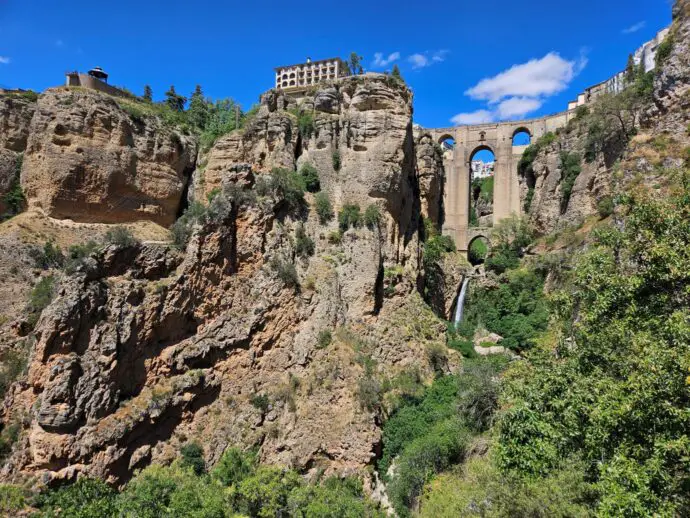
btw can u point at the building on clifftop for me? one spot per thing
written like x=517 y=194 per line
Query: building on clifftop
x=95 y=79
x=310 y=73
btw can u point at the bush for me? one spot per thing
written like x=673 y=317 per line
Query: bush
x=372 y=216
x=260 y=402
x=304 y=245
x=605 y=207
x=310 y=177
x=324 y=339
x=193 y=457
x=305 y=122
x=369 y=393
x=182 y=229
x=13 y=499
x=265 y=494
x=284 y=185
x=12 y=366
x=528 y=200
x=336 y=160
x=120 y=236
x=324 y=209
x=41 y=296
x=663 y=51
x=14 y=198
x=285 y=270
x=234 y=466
x=49 y=257
x=349 y=217
x=76 y=254
x=86 y=498
x=570 y=170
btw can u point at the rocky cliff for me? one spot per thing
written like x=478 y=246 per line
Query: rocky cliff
x=89 y=159
x=245 y=337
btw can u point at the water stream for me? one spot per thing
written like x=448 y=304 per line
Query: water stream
x=459 y=305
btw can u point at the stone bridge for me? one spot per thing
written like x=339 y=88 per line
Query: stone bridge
x=498 y=138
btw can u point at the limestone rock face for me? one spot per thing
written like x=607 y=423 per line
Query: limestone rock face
x=88 y=160
x=672 y=83
x=431 y=177
x=548 y=211
x=16 y=112
x=146 y=348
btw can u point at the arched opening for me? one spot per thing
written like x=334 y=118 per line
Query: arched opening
x=478 y=250
x=521 y=137
x=482 y=163
x=447 y=143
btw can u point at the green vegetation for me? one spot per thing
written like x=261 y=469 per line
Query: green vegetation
x=41 y=296
x=304 y=245
x=121 y=237
x=221 y=117
x=50 y=256
x=528 y=200
x=605 y=207
x=355 y=64
x=349 y=217
x=14 y=198
x=286 y=186
x=435 y=246
x=285 y=270
x=372 y=216
x=324 y=339
x=615 y=393
x=175 y=101
x=193 y=457
x=663 y=51
x=182 y=229
x=335 y=157
x=323 y=207
x=12 y=365
x=483 y=188
x=426 y=435
x=395 y=73
x=511 y=236
x=478 y=251
x=305 y=122
x=525 y=166
x=310 y=177
x=570 y=170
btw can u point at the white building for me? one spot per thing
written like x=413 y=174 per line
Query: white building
x=482 y=169
x=310 y=73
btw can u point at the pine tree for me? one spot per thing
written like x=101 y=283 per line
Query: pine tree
x=148 y=93
x=198 y=109
x=630 y=69
x=174 y=100
x=396 y=74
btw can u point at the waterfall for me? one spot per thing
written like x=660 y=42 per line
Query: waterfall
x=461 y=301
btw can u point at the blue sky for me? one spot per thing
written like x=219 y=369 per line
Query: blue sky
x=449 y=53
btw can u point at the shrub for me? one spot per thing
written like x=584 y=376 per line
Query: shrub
x=14 y=198
x=120 y=236
x=369 y=393
x=86 y=498
x=260 y=402
x=13 y=365
x=49 y=257
x=463 y=345
x=285 y=185
x=193 y=457
x=605 y=207
x=310 y=176
x=663 y=51
x=13 y=499
x=570 y=170
x=324 y=339
x=234 y=466
x=304 y=245
x=265 y=494
x=285 y=270
x=336 y=159
x=182 y=229
x=41 y=296
x=335 y=237
x=372 y=216
x=324 y=209
x=78 y=253
x=305 y=122
x=349 y=217
x=528 y=200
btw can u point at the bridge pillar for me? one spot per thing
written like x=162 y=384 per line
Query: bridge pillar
x=457 y=198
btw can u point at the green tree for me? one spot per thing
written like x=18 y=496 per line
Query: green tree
x=148 y=93
x=174 y=100
x=355 y=64
x=630 y=69
x=396 y=73
x=323 y=207
x=198 y=112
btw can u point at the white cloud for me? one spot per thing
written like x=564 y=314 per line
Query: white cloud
x=382 y=62
x=521 y=89
x=634 y=28
x=421 y=60
x=478 y=117
x=4 y=60
x=517 y=107
x=539 y=77
x=418 y=60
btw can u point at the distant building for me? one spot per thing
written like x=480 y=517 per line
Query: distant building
x=310 y=73
x=482 y=169
x=95 y=79
x=645 y=55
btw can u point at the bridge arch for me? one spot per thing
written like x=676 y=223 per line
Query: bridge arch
x=479 y=148
x=445 y=137
x=520 y=134
x=478 y=248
